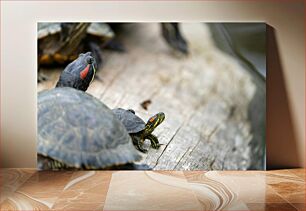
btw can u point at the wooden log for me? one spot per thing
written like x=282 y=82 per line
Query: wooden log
x=205 y=97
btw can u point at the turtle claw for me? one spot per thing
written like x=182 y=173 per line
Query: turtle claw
x=141 y=149
x=155 y=145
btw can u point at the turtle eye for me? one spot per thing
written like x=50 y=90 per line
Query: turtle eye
x=89 y=60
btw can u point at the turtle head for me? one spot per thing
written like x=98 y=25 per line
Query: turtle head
x=79 y=73
x=154 y=121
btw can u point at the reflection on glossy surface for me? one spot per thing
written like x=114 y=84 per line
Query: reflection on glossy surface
x=27 y=189
x=149 y=191
x=11 y=180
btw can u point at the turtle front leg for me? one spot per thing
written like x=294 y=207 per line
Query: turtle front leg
x=154 y=141
x=138 y=143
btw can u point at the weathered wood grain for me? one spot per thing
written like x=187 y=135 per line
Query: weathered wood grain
x=205 y=97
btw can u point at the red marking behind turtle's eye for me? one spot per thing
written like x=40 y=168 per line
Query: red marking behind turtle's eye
x=152 y=119
x=84 y=72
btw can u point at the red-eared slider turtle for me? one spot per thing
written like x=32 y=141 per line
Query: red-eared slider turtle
x=138 y=129
x=76 y=130
x=61 y=43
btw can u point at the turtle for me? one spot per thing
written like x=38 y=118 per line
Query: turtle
x=61 y=43
x=138 y=129
x=78 y=131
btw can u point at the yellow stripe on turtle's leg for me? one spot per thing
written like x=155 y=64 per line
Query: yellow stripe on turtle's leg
x=138 y=141
x=154 y=141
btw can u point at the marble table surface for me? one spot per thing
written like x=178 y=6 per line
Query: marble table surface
x=28 y=189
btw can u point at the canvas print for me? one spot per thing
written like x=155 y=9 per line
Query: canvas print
x=151 y=96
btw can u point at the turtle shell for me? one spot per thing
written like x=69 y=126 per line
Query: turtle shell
x=132 y=123
x=46 y=29
x=102 y=30
x=55 y=49
x=79 y=130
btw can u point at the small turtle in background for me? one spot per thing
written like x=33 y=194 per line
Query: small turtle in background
x=138 y=129
x=76 y=130
x=61 y=43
